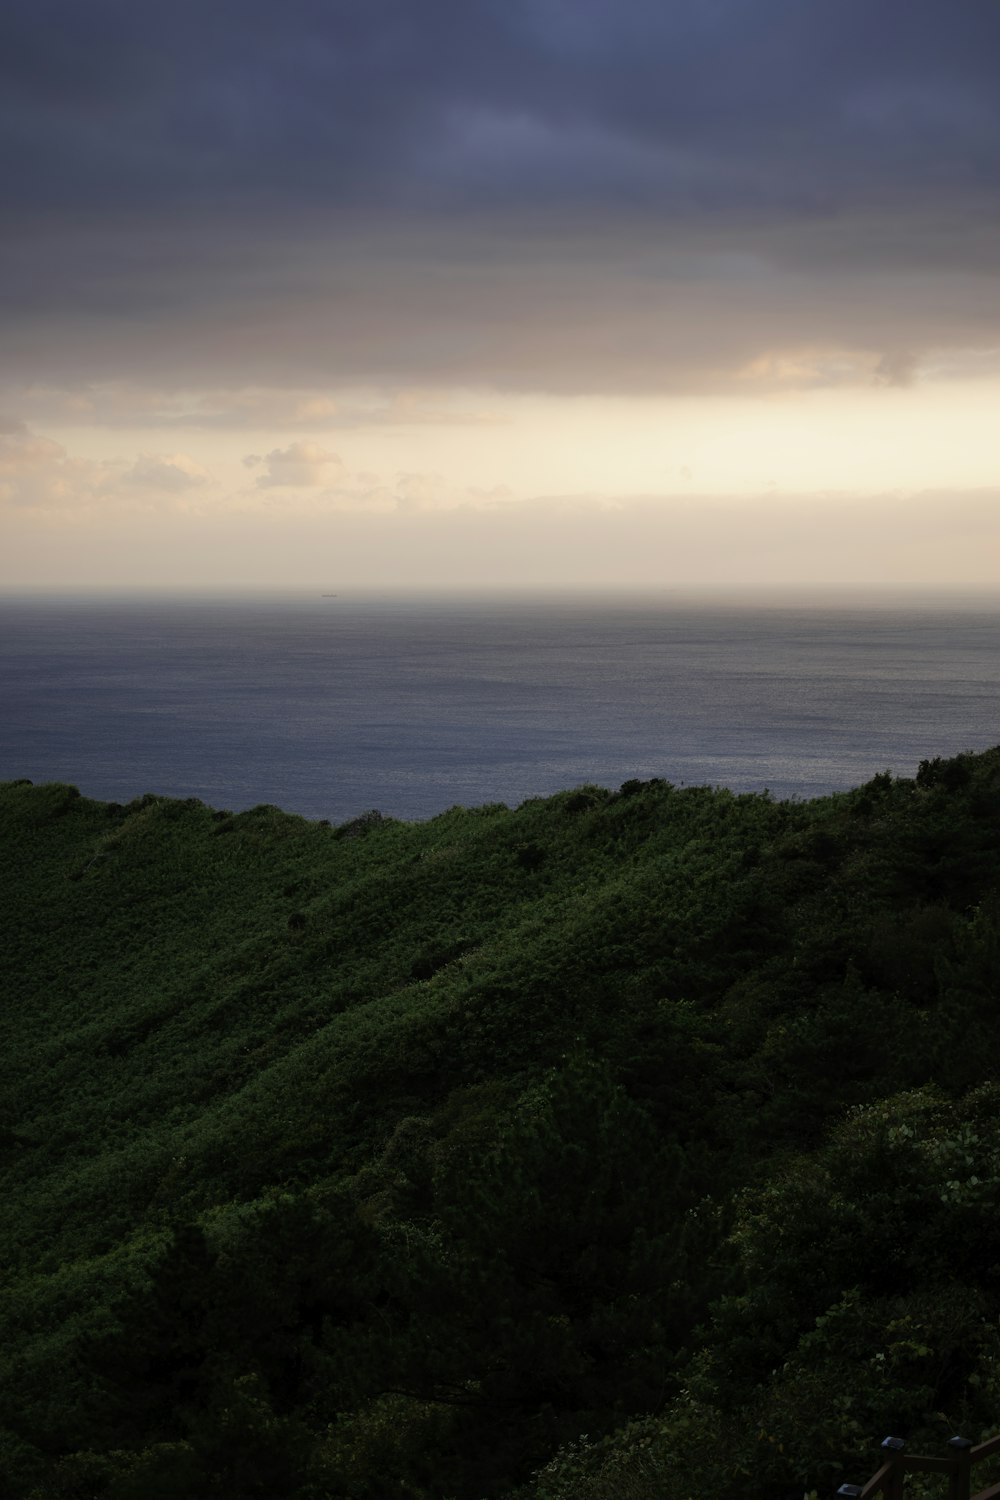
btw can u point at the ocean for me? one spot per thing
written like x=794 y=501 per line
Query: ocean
x=329 y=706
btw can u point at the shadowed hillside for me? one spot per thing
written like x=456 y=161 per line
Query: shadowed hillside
x=390 y=1159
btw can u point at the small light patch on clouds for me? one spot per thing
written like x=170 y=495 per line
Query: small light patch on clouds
x=805 y=370
x=38 y=473
x=301 y=465
x=828 y=369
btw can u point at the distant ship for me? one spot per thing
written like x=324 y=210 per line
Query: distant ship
x=328 y=596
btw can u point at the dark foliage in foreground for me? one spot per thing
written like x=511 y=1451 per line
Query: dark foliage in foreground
x=392 y=1159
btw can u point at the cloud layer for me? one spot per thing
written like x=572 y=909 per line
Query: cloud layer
x=39 y=475
x=530 y=194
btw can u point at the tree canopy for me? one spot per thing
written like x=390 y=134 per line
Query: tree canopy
x=624 y=1144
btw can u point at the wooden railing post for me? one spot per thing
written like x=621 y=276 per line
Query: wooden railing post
x=896 y=1463
x=961 y=1474
x=893 y=1449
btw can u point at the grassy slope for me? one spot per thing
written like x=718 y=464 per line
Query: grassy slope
x=202 y=1011
x=197 y=982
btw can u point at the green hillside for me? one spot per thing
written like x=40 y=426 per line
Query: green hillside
x=640 y=1144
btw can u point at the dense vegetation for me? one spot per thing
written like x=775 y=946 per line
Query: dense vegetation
x=640 y=1144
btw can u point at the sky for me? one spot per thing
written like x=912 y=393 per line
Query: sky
x=499 y=293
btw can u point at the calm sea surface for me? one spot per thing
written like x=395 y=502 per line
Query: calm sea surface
x=330 y=706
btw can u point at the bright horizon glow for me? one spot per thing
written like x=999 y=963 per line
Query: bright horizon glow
x=843 y=486
x=855 y=440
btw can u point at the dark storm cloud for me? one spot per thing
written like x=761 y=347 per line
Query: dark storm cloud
x=135 y=104
x=555 y=192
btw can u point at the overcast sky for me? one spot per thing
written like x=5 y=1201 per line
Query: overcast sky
x=452 y=293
